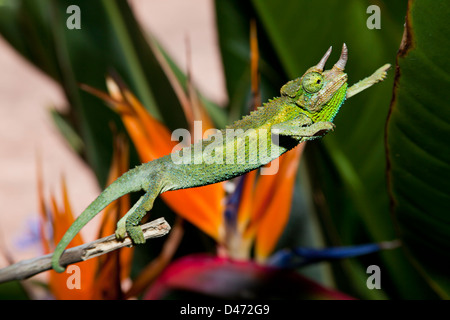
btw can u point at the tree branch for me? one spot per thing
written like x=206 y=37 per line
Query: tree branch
x=27 y=268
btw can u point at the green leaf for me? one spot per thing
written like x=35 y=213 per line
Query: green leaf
x=67 y=131
x=417 y=141
x=13 y=290
x=348 y=166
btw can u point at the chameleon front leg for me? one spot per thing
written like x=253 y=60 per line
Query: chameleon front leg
x=365 y=83
x=303 y=127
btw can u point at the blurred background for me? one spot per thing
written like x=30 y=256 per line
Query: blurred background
x=26 y=127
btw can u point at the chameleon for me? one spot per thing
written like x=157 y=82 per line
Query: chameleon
x=305 y=110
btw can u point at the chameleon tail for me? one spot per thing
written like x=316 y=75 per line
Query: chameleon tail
x=129 y=182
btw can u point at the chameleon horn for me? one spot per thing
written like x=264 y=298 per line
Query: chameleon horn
x=324 y=59
x=343 y=59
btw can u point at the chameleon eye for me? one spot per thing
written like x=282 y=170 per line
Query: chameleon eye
x=312 y=82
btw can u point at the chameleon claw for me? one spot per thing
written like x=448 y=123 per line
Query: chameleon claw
x=121 y=230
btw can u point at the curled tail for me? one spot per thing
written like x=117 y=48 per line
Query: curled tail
x=129 y=182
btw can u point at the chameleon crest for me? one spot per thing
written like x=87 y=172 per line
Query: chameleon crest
x=304 y=111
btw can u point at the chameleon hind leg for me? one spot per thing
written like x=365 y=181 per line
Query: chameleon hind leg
x=129 y=223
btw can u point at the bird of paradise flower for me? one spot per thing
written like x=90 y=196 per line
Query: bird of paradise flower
x=55 y=219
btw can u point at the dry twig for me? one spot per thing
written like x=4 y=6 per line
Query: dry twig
x=27 y=268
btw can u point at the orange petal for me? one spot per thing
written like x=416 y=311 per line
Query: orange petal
x=246 y=203
x=254 y=60
x=116 y=209
x=119 y=262
x=107 y=283
x=45 y=237
x=273 y=198
x=63 y=219
x=159 y=137
x=58 y=282
x=201 y=206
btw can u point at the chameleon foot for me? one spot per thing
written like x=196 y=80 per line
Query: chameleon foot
x=120 y=234
x=323 y=128
x=136 y=234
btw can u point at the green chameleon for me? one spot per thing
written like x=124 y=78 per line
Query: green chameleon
x=304 y=111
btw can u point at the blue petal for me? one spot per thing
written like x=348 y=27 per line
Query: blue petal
x=233 y=203
x=299 y=257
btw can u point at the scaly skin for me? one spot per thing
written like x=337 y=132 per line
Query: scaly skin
x=304 y=111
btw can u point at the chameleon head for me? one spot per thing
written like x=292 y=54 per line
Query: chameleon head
x=314 y=91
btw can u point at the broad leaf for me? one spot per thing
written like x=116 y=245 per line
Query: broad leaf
x=417 y=141
x=350 y=172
